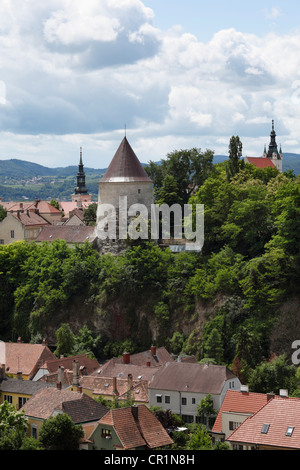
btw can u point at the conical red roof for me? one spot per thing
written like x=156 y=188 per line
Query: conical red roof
x=125 y=166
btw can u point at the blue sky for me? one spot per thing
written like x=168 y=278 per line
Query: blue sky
x=178 y=74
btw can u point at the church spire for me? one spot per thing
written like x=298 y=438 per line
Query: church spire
x=81 y=188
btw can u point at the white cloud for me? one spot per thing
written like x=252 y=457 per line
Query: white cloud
x=79 y=71
x=273 y=13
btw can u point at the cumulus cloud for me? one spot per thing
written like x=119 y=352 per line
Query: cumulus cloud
x=74 y=68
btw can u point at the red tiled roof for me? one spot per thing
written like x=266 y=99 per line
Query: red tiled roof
x=125 y=166
x=70 y=233
x=26 y=358
x=239 y=402
x=136 y=427
x=260 y=162
x=156 y=357
x=67 y=362
x=78 y=406
x=105 y=386
x=30 y=218
x=113 y=369
x=279 y=413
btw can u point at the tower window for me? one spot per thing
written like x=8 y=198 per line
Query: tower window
x=139 y=191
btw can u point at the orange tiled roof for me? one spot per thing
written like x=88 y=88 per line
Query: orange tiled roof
x=239 y=402
x=26 y=358
x=67 y=362
x=137 y=426
x=260 y=162
x=279 y=413
x=30 y=218
x=105 y=386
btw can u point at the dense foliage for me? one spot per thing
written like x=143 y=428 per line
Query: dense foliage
x=236 y=303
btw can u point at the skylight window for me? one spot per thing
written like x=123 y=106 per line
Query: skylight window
x=265 y=428
x=289 y=431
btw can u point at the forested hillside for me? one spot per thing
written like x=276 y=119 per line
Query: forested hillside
x=236 y=303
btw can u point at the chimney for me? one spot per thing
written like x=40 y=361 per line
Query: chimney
x=79 y=389
x=148 y=364
x=283 y=393
x=19 y=340
x=58 y=385
x=153 y=350
x=115 y=390
x=19 y=375
x=60 y=374
x=244 y=388
x=44 y=342
x=75 y=381
x=270 y=395
x=126 y=358
x=129 y=377
x=134 y=411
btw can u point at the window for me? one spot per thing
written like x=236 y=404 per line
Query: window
x=34 y=431
x=289 y=431
x=167 y=399
x=8 y=398
x=1 y=242
x=183 y=401
x=21 y=402
x=193 y=401
x=106 y=433
x=265 y=428
x=158 y=399
x=233 y=425
x=12 y=234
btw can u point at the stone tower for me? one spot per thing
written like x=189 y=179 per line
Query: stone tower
x=124 y=185
x=273 y=154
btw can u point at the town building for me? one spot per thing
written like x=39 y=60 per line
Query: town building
x=275 y=426
x=180 y=386
x=272 y=158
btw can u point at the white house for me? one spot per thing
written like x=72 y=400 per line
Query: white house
x=180 y=386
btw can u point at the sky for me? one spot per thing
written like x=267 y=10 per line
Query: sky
x=171 y=74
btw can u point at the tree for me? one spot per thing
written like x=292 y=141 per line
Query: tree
x=235 y=153
x=60 y=433
x=199 y=439
x=90 y=214
x=3 y=213
x=205 y=409
x=13 y=430
x=177 y=177
x=54 y=203
x=213 y=346
x=65 y=340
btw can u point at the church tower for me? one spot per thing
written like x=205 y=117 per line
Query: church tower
x=124 y=184
x=81 y=191
x=273 y=154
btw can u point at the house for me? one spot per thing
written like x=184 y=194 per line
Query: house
x=51 y=401
x=129 y=428
x=275 y=426
x=21 y=225
x=76 y=217
x=43 y=208
x=153 y=357
x=62 y=369
x=180 y=386
x=116 y=388
x=72 y=234
x=18 y=391
x=24 y=359
x=236 y=407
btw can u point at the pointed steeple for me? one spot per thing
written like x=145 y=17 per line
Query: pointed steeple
x=125 y=166
x=273 y=149
x=81 y=188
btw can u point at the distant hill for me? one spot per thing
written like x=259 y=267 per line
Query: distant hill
x=20 y=179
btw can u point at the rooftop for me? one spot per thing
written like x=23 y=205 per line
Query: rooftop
x=125 y=166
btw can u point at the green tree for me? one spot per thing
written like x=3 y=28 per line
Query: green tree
x=206 y=411
x=214 y=346
x=60 y=433
x=65 y=340
x=235 y=154
x=13 y=430
x=90 y=214
x=272 y=376
x=3 y=213
x=199 y=439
